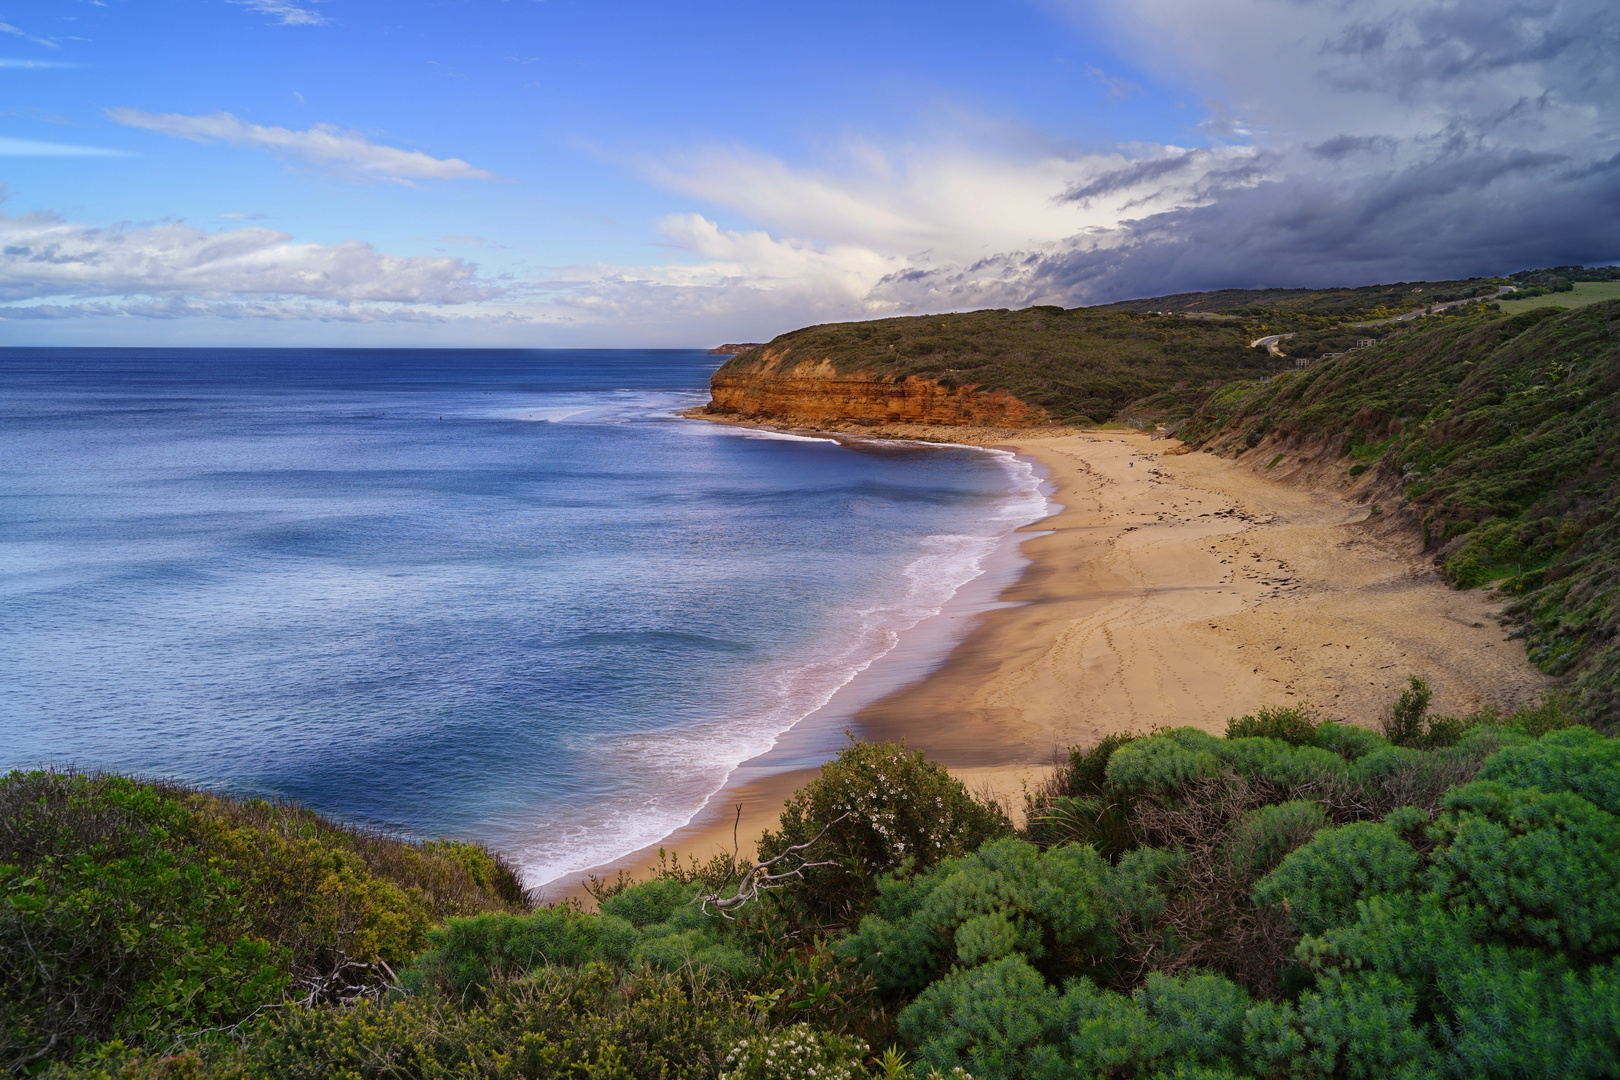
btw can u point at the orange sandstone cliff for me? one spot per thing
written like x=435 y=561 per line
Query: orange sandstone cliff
x=766 y=385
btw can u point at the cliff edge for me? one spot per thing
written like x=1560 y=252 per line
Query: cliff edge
x=776 y=388
x=1000 y=369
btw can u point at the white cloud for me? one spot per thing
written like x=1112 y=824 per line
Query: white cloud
x=30 y=148
x=233 y=310
x=1312 y=69
x=946 y=204
x=347 y=154
x=283 y=13
x=739 y=283
x=15 y=31
x=43 y=257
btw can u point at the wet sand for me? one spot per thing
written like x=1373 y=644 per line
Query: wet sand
x=1171 y=589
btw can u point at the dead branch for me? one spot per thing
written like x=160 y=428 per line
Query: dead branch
x=761 y=877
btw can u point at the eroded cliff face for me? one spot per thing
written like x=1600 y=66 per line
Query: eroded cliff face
x=815 y=394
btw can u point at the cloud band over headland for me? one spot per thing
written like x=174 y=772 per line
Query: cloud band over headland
x=1328 y=142
x=1399 y=142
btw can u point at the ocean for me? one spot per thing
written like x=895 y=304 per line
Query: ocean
x=505 y=595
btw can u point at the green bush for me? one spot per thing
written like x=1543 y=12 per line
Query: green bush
x=139 y=911
x=1078 y=805
x=1293 y=724
x=1572 y=759
x=1321 y=882
x=1261 y=839
x=649 y=924
x=1054 y=907
x=1002 y=1021
x=1348 y=741
x=1404 y=725
x=1171 y=760
x=875 y=808
x=1540 y=868
x=591 y=1023
x=1167 y=761
x=1551 y=712
x=985 y=1019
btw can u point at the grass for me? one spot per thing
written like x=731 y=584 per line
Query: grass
x=1584 y=292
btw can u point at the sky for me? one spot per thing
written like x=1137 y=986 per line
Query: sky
x=618 y=173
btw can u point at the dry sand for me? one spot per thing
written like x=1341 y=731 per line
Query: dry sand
x=1187 y=589
x=1170 y=590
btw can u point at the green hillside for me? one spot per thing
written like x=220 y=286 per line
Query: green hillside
x=1078 y=365
x=1157 y=355
x=1500 y=437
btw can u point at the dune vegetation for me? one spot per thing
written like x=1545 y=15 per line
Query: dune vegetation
x=1298 y=898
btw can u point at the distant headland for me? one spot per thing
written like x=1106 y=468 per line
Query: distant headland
x=733 y=350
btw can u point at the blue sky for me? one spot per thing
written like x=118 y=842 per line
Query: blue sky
x=571 y=173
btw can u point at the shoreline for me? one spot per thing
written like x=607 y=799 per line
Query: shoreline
x=1166 y=589
x=756 y=789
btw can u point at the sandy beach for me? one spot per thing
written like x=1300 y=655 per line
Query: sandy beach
x=1170 y=589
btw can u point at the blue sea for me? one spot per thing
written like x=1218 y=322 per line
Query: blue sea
x=508 y=596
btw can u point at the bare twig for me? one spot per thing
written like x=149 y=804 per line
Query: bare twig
x=760 y=877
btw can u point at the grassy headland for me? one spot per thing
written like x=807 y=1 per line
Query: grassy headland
x=1079 y=366
x=1085 y=365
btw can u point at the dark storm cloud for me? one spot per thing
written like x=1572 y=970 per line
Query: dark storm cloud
x=1470 y=141
x=1341 y=146
x=1132 y=176
x=1481 y=215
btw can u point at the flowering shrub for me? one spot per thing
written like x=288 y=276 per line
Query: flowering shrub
x=877 y=807
x=798 y=1053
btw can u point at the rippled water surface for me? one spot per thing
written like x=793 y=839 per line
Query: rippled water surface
x=505 y=595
